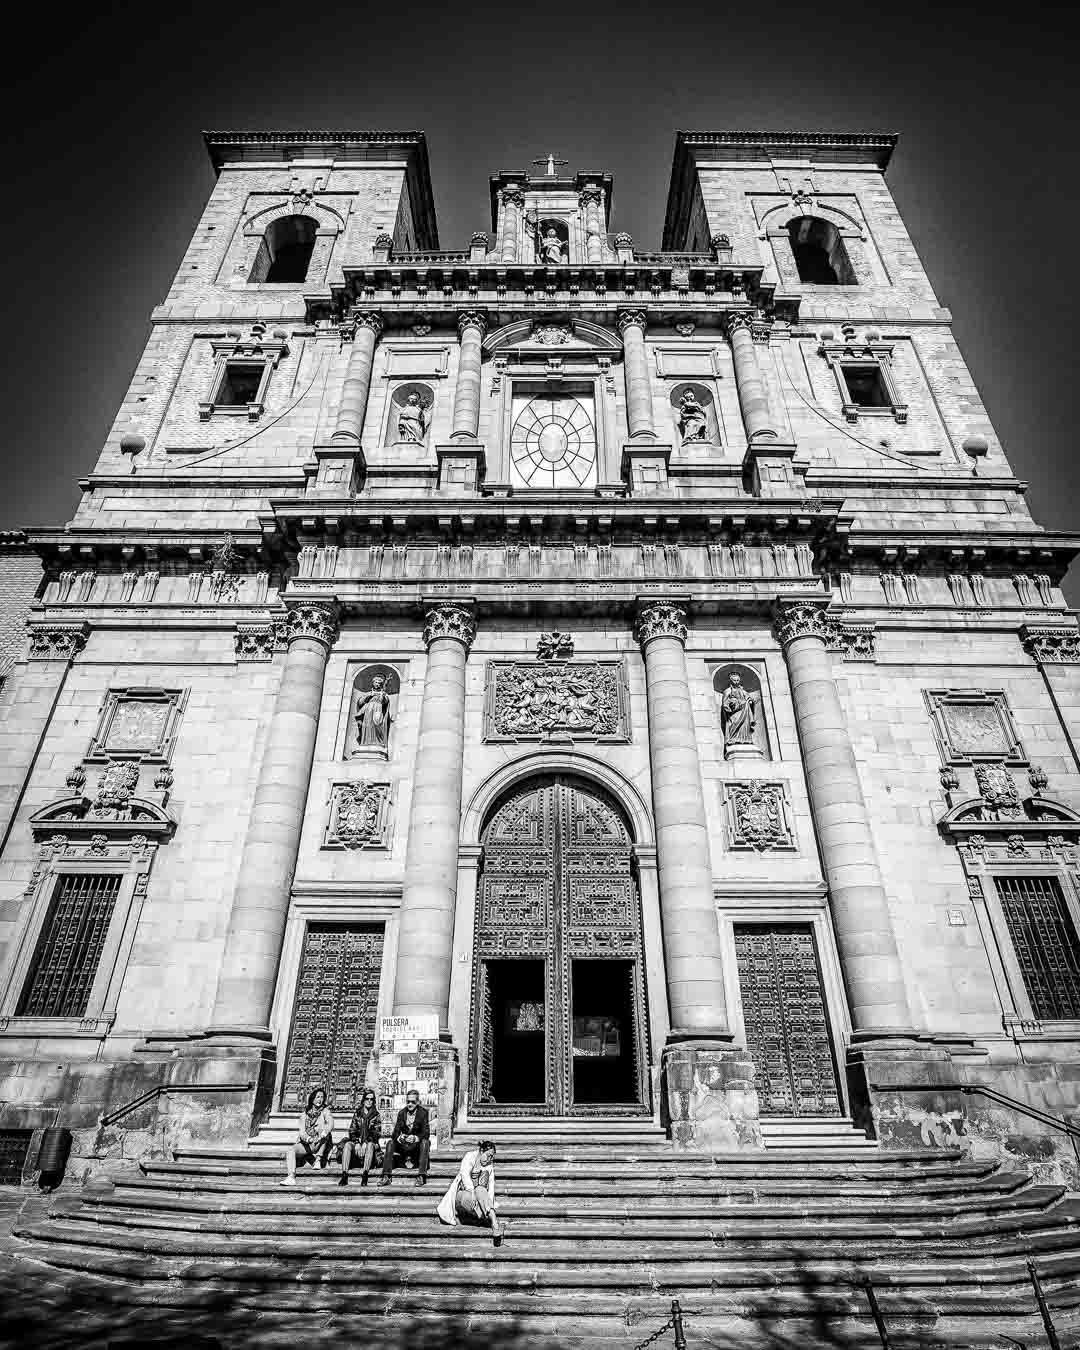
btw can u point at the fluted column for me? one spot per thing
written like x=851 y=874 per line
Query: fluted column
x=429 y=893
x=692 y=950
x=753 y=396
x=256 y=931
x=471 y=327
x=513 y=201
x=354 y=394
x=592 y=199
x=861 y=918
x=639 y=411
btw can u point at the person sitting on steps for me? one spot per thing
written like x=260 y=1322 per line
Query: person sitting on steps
x=363 y=1141
x=411 y=1138
x=315 y=1136
x=470 y=1198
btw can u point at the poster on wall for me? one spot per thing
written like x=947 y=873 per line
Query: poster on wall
x=408 y=1058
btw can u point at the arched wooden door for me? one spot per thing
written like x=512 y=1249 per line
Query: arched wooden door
x=558 y=1022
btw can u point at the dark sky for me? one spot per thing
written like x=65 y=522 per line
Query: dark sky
x=107 y=175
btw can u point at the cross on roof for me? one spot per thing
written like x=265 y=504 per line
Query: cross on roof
x=550 y=161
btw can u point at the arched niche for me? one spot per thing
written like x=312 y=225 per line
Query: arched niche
x=408 y=421
x=551 y=231
x=742 y=711
x=821 y=257
x=373 y=702
x=285 y=253
x=693 y=411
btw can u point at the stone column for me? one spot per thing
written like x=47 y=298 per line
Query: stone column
x=753 y=398
x=354 y=394
x=692 y=951
x=429 y=893
x=864 y=929
x=256 y=931
x=471 y=327
x=639 y=412
x=513 y=201
x=592 y=200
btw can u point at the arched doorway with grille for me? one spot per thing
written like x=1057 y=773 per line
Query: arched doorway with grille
x=559 y=1024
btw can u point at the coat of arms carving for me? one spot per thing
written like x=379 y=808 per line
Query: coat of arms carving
x=757 y=816
x=556 y=700
x=359 y=815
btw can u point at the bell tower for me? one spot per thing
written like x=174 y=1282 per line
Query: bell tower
x=551 y=219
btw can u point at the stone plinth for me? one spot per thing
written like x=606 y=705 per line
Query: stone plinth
x=710 y=1098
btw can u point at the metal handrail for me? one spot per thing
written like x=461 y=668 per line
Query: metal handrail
x=153 y=1093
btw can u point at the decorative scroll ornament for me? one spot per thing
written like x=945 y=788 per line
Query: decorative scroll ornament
x=383 y=240
x=449 y=621
x=661 y=620
x=57 y=641
x=998 y=791
x=757 y=816
x=321 y=621
x=632 y=318
x=115 y=788
x=803 y=618
x=533 y=700
x=1051 y=644
x=472 y=318
x=359 y=813
x=551 y=334
x=554 y=646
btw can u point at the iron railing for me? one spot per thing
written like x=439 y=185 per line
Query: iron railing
x=152 y=1094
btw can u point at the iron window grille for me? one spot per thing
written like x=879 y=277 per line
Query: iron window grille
x=1045 y=942
x=69 y=950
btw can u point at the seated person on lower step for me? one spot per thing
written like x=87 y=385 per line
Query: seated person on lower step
x=363 y=1141
x=471 y=1196
x=314 y=1136
x=410 y=1142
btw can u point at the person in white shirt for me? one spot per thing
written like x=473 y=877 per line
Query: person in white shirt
x=470 y=1198
x=314 y=1137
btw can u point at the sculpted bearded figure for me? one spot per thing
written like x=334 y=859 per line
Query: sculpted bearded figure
x=551 y=249
x=693 y=422
x=373 y=716
x=412 y=424
x=738 y=716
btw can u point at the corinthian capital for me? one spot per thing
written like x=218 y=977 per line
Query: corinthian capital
x=57 y=641
x=317 y=619
x=472 y=318
x=632 y=318
x=512 y=196
x=591 y=195
x=740 y=319
x=662 y=619
x=1051 y=644
x=803 y=618
x=449 y=621
x=367 y=319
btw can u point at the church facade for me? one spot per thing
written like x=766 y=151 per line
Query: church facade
x=640 y=668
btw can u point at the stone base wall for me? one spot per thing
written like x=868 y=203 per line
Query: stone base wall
x=708 y=1098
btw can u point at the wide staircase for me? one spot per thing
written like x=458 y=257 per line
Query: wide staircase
x=606 y=1225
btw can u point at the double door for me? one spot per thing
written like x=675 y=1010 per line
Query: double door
x=558 y=1024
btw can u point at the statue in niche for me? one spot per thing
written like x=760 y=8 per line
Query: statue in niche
x=738 y=719
x=412 y=423
x=551 y=248
x=693 y=421
x=373 y=716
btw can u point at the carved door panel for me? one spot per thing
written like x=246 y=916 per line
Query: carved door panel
x=333 y=1024
x=787 y=1027
x=557 y=886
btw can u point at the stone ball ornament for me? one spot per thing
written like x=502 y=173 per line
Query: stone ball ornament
x=133 y=444
x=976 y=448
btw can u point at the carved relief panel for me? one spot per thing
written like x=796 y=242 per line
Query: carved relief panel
x=359 y=815
x=137 y=724
x=556 y=701
x=974 y=724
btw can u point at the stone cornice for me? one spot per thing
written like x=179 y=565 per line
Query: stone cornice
x=837 y=147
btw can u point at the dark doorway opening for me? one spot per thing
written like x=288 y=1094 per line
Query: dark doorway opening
x=603 y=1032
x=517 y=1025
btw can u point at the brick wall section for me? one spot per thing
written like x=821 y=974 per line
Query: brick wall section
x=20 y=577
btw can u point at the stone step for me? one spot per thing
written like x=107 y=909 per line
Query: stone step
x=817 y=1132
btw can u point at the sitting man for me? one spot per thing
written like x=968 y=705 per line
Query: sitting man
x=411 y=1139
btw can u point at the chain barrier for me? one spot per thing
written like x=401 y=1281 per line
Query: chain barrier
x=656 y=1334
x=674 y=1323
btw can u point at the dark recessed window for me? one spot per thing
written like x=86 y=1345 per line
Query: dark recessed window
x=69 y=949
x=866 y=387
x=285 y=252
x=240 y=383
x=820 y=255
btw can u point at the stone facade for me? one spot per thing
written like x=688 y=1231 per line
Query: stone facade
x=609 y=479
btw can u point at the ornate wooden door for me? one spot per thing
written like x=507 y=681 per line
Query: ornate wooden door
x=333 y=1025
x=787 y=1029
x=557 y=885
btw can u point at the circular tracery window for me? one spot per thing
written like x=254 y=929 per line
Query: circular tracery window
x=553 y=443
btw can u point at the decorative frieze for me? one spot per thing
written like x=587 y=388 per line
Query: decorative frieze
x=359 y=815
x=1051 y=645
x=57 y=641
x=757 y=815
x=556 y=700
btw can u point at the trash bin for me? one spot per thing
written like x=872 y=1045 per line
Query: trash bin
x=53 y=1155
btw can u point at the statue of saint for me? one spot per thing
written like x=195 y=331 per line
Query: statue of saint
x=693 y=422
x=412 y=424
x=551 y=249
x=373 y=716
x=738 y=715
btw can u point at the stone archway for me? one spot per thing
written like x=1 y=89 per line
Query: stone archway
x=558 y=1023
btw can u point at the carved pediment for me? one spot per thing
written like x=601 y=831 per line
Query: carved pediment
x=77 y=817
x=1034 y=818
x=550 y=336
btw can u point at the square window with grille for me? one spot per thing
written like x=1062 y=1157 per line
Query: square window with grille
x=69 y=949
x=1044 y=939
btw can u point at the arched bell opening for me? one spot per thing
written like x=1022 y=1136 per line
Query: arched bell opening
x=559 y=1024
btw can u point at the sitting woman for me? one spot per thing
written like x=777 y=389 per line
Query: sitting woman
x=471 y=1197
x=363 y=1141
x=314 y=1139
